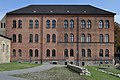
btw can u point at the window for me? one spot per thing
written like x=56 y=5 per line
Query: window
x=20 y=52
x=83 y=52
x=101 y=38
x=7 y=48
x=48 y=24
x=48 y=38
x=53 y=24
x=31 y=53
x=20 y=38
x=83 y=24
x=106 y=53
x=71 y=24
x=14 y=38
x=54 y=38
x=71 y=52
x=36 y=38
x=65 y=23
x=3 y=47
x=36 y=23
x=83 y=38
x=107 y=38
x=36 y=53
x=106 y=24
x=48 y=53
x=19 y=23
x=14 y=23
x=65 y=37
x=4 y=25
x=101 y=24
x=66 y=53
x=31 y=24
x=101 y=53
x=1 y=25
x=14 y=53
x=89 y=53
x=88 y=39
x=71 y=37
x=31 y=38
x=89 y=24
x=53 y=53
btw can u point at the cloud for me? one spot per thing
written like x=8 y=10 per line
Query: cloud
x=117 y=18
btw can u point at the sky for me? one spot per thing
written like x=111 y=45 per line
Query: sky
x=109 y=5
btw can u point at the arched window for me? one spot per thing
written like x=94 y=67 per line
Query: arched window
x=71 y=37
x=71 y=52
x=53 y=23
x=89 y=24
x=3 y=47
x=48 y=24
x=48 y=53
x=53 y=53
x=83 y=24
x=14 y=53
x=89 y=53
x=66 y=53
x=48 y=37
x=83 y=38
x=65 y=37
x=14 y=23
x=36 y=53
x=65 y=23
x=20 y=38
x=106 y=24
x=31 y=53
x=30 y=23
x=36 y=23
x=31 y=38
x=101 y=38
x=71 y=24
x=106 y=53
x=14 y=38
x=20 y=24
x=101 y=24
x=88 y=38
x=83 y=52
x=54 y=38
x=107 y=38
x=20 y=52
x=36 y=38
x=101 y=53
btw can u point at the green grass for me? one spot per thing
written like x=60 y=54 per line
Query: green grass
x=16 y=66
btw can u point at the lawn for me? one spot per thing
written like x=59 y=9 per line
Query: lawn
x=16 y=66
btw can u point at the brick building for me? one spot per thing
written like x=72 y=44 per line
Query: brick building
x=76 y=34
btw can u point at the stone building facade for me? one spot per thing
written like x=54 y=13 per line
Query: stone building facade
x=61 y=34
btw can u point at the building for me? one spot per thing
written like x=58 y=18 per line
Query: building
x=61 y=34
x=3 y=26
x=4 y=49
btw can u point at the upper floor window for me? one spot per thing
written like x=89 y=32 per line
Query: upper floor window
x=83 y=24
x=54 y=38
x=107 y=38
x=19 y=23
x=20 y=38
x=89 y=24
x=101 y=24
x=20 y=52
x=88 y=39
x=53 y=23
x=89 y=53
x=36 y=53
x=65 y=23
x=71 y=24
x=31 y=38
x=53 y=53
x=71 y=37
x=36 y=38
x=83 y=52
x=65 y=37
x=66 y=52
x=106 y=24
x=1 y=25
x=30 y=23
x=14 y=23
x=14 y=38
x=48 y=53
x=48 y=37
x=101 y=53
x=4 y=25
x=83 y=38
x=48 y=24
x=71 y=52
x=101 y=38
x=31 y=53
x=14 y=53
x=106 y=53
x=36 y=23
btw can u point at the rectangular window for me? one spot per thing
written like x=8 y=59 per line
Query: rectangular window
x=1 y=25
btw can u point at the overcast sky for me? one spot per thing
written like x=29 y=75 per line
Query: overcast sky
x=110 y=5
